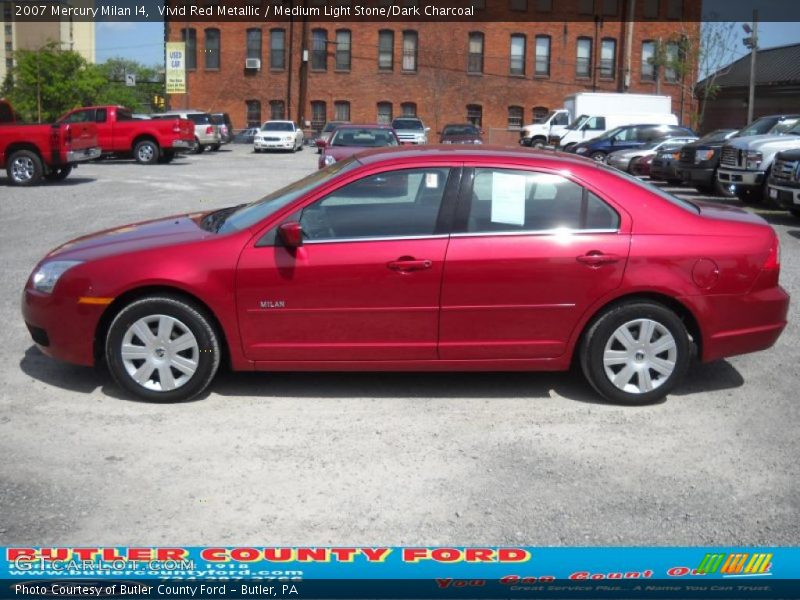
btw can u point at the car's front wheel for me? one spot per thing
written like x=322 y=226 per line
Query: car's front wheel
x=598 y=156
x=162 y=349
x=635 y=353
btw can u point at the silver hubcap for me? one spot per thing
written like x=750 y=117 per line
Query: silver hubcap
x=640 y=356
x=160 y=353
x=146 y=152
x=22 y=169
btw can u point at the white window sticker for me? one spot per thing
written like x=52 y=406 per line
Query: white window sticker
x=508 y=199
x=432 y=180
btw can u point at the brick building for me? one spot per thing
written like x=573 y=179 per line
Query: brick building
x=499 y=75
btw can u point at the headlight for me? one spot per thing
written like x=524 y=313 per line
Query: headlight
x=447 y=142
x=288 y=138
x=580 y=151
x=703 y=155
x=329 y=160
x=47 y=275
x=477 y=142
x=754 y=159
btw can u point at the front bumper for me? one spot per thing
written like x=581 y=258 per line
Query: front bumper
x=61 y=327
x=74 y=156
x=786 y=197
x=696 y=175
x=273 y=145
x=665 y=170
x=740 y=178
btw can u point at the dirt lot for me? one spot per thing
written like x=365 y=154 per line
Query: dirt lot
x=358 y=459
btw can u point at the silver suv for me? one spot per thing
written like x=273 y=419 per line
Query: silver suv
x=410 y=130
x=206 y=132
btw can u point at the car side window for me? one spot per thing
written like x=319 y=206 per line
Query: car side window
x=596 y=124
x=505 y=200
x=100 y=117
x=392 y=204
x=81 y=116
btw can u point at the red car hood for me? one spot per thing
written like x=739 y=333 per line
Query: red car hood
x=130 y=238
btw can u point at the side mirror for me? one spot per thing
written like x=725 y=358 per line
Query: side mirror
x=291 y=234
x=427 y=129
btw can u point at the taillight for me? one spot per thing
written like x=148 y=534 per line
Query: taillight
x=209 y=130
x=67 y=135
x=771 y=271
x=177 y=127
x=774 y=257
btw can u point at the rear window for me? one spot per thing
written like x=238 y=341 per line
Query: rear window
x=460 y=130
x=366 y=138
x=200 y=118
x=684 y=204
x=407 y=124
x=6 y=114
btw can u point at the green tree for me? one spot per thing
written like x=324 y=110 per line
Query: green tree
x=47 y=82
x=138 y=98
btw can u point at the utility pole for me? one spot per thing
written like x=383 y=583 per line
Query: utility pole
x=752 y=43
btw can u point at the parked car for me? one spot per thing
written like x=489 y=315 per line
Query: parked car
x=325 y=134
x=664 y=166
x=698 y=162
x=621 y=159
x=393 y=260
x=461 y=133
x=745 y=162
x=279 y=135
x=641 y=166
x=784 y=181
x=223 y=121
x=410 y=130
x=148 y=141
x=246 y=136
x=206 y=132
x=629 y=137
x=30 y=153
x=348 y=140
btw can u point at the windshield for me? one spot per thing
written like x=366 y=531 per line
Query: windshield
x=407 y=124
x=366 y=138
x=610 y=134
x=330 y=126
x=277 y=127
x=792 y=127
x=720 y=135
x=576 y=124
x=460 y=130
x=767 y=125
x=250 y=214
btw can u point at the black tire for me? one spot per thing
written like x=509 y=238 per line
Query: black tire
x=795 y=212
x=58 y=173
x=600 y=334
x=749 y=195
x=538 y=142
x=598 y=156
x=24 y=168
x=706 y=190
x=198 y=147
x=674 y=182
x=146 y=152
x=188 y=318
x=214 y=147
x=167 y=156
x=568 y=147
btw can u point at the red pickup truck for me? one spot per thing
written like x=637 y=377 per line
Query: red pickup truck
x=32 y=152
x=147 y=140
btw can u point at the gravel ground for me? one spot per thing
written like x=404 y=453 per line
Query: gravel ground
x=359 y=459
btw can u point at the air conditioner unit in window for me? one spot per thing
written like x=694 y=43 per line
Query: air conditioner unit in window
x=252 y=63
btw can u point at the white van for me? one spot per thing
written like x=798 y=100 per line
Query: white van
x=586 y=127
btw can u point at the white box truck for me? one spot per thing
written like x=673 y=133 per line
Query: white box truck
x=591 y=104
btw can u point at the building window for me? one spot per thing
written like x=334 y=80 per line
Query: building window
x=540 y=114
x=341 y=110
x=277 y=49
x=475 y=55
x=254 y=43
x=408 y=109
x=515 y=117
x=384 y=113
x=585 y=7
x=190 y=39
x=277 y=110
x=650 y=9
x=212 y=48
x=517 y=63
x=608 y=58
x=343 y=50
x=610 y=7
x=544 y=5
x=672 y=56
x=542 y=55
x=319 y=114
x=410 y=43
x=319 y=50
x=386 y=50
x=674 y=9
x=583 y=61
x=519 y=5
x=648 y=56
x=253 y=113
x=475 y=114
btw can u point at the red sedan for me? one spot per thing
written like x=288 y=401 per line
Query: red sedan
x=420 y=259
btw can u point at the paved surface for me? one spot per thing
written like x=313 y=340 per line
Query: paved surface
x=362 y=459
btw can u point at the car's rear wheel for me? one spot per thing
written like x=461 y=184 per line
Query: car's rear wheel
x=795 y=212
x=24 y=167
x=215 y=147
x=146 y=152
x=635 y=353
x=162 y=349
x=598 y=156
x=58 y=173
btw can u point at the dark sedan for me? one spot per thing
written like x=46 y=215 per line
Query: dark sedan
x=348 y=140
x=461 y=133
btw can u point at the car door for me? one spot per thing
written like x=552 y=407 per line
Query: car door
x=531 y=250
x=365 y=284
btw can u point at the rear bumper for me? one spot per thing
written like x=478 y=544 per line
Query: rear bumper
x=61 y=327
x=74 y=156
x=743 y=324
x=183 y=144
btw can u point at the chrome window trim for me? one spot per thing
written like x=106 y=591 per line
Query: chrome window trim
x=376 y=239
x=538 y=232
